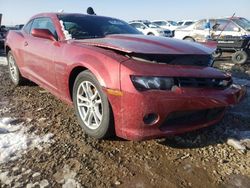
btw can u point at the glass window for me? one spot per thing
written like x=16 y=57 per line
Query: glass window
x=179 y=23
x=242 y=22
x=138 y=25
x=200 y=25
x=27 y=27
x=172 y=23
x=45 y=23
x=188 y=23
x=85 y=27
x=226 y=25
x=151 y=25
x=160 y=23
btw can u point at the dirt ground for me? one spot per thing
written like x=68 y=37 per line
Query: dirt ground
x=198 y=159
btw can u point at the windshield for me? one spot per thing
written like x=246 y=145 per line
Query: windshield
x=78 y=26
x=242 y=22
x=151 y=25
x=173 y=23
x=160 y=23
x=179 y=23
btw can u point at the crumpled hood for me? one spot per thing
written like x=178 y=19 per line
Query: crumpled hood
x=147 y=45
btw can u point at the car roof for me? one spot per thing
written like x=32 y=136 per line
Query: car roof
x=55 y=14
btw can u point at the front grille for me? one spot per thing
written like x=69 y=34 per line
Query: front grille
x=204 y=82
x=186 y=118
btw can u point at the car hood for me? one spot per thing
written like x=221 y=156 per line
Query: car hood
x=142 y=44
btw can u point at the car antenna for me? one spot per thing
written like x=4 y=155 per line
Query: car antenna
x=226 y=25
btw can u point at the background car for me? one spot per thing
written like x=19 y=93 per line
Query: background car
x=185 y=23
x=148 y=28
x=218 y=28
x=171 y=25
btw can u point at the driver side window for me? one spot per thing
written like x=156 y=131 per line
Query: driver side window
x=45 y=23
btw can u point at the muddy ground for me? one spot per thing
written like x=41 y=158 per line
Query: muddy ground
x=198 y=159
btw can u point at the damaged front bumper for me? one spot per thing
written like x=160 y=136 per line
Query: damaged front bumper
x=155 y=114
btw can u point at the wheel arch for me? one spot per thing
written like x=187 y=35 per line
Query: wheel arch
x=72 y=77
x=76 y=70
x=7 y=49
x=188 y=37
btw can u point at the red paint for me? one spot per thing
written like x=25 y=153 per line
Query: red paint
x=50 y=63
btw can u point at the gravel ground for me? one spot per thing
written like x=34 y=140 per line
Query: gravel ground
x=217 y=156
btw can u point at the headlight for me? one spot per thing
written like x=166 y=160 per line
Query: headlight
x=143 y=83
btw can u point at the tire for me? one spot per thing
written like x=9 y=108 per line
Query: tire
x=152 y=34
x=14 y=72
x=239 y=57
x=190 y=39
x=217 y=53
x=92 y=107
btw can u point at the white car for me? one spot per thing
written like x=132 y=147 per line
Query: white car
x=171 y=25
x=148 y=28
x=217 y=28
x=185 y=23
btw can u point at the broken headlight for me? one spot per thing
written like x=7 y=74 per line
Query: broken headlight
x=143 y=83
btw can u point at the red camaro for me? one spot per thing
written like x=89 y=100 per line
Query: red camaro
x=119 y=81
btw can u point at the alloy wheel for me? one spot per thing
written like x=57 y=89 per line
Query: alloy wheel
x=13 y=68
x=89 y=104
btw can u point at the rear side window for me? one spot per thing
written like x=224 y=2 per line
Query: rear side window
x=45 y=23
x=27 y=27
x=200 y=25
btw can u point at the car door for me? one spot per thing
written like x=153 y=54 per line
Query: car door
x=39 y=58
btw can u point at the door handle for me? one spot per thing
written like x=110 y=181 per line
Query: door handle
x=26 y=43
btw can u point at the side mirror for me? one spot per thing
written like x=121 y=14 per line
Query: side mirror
x=43 y=33
x=237 y=29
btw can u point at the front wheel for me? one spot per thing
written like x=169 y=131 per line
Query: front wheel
x=92 y=107
x=14 y=72
x=239 y=57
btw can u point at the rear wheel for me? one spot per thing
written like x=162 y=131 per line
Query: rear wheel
x=92 y=107
x=239 y=57
x=14 y=72
x=152 y=34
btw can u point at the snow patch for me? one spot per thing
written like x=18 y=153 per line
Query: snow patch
x=239 y=140
x=66 y=177
x=71 y=183
x=65 y=32
x=3 y=61
x=15 y=139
